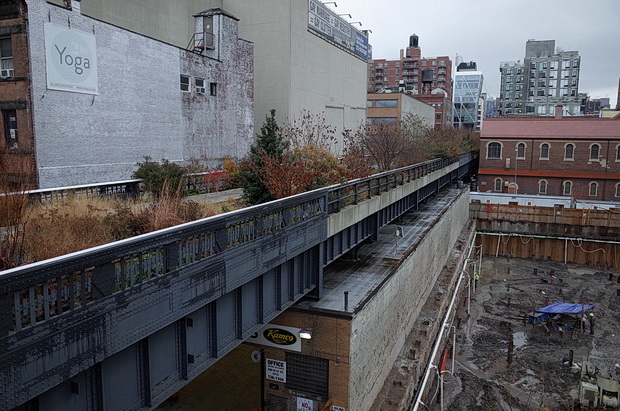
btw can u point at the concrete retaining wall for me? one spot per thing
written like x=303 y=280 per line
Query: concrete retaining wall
x=379 y=330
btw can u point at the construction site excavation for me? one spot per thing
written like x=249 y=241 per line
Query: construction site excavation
x=534 y=333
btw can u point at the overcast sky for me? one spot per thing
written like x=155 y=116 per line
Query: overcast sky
x=491 y=31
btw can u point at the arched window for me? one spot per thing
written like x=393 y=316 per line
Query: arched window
x=542 y=187
x=569 y=152
x=521 y=150
x=494 y=150
x=498 y=184
x=568 y=187
x=594 y=151
x=592 y=188
x=544 y=151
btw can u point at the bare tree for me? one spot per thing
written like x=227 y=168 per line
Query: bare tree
x=311 y=130
x=15 y=210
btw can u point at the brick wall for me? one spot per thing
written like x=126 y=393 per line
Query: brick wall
x=139 y=110
x=330 y=340
x=555 y=169
x=14 y=95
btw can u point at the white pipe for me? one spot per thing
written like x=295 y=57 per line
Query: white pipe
x=546 y=237
x=429 y=367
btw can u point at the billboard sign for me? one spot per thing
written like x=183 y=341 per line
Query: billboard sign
x=70 y=60
x=329 y=25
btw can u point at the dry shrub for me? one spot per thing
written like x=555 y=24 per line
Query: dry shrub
x=76 y=224
x=61 y=228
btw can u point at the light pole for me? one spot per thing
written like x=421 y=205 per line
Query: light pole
x=516 y=156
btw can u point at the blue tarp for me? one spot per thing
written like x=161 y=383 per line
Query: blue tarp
x=565 y=308
x=552 y=310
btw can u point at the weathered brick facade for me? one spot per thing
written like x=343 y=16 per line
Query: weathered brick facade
x=17 y=149
x=138 y=108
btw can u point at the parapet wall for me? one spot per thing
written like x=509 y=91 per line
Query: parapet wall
x=379 y=330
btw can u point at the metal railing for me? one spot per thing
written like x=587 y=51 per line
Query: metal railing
x=364 y=188
x=32 y=294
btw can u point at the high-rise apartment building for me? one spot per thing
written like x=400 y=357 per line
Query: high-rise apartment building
x=467 y=98
x=428 y=79
x=546 y=78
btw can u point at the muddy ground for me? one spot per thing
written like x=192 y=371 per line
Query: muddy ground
x=537 y=379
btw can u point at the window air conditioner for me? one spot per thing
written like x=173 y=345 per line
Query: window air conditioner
x=6 y=73
x=201 y=90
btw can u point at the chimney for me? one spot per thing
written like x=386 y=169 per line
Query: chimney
x=558 y=111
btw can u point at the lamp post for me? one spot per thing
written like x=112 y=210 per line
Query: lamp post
x=516 y=156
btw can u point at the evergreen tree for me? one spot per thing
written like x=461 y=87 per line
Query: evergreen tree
x=270 y=143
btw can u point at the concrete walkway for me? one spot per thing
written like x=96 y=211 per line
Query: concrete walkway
x=218 y=196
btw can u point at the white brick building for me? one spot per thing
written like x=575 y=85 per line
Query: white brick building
x=95 y=98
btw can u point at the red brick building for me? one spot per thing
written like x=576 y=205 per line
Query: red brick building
x=17 y=144
x=427 y=79
x=578 y=157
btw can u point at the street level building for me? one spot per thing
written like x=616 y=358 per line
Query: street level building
x=546 y=77
x=561 y=156
x=427 y=79
x=82 y=100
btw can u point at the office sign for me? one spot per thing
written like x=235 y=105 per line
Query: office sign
x=275 y=370
x=279 y=336
x=329 y=25
x=70 y=59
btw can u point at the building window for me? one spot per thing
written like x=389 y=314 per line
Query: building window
x=386 y=103
x=592 y=189
x=594 y=152
x=567 y=188
x=9 y=118
x=306 y=374
x=542 y=187
x=200 y=86
x=184 y=83
x=544 y=151
x=381 y=120
x=6 y=58
x=213 y=89
x=618 y=153
x=521 y=150
x=494 y=150
x=369 y=103
x=618 y=190
x=569 y=152
x=498 y=184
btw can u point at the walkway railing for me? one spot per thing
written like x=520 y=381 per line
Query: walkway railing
x=34 y=293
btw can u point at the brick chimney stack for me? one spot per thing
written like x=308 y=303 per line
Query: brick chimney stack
x=558 y=111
